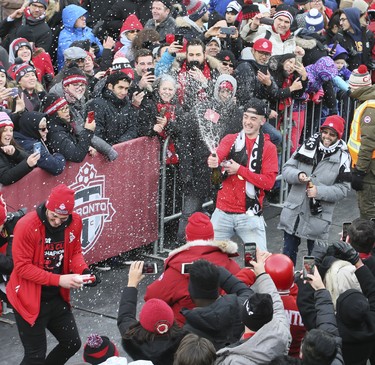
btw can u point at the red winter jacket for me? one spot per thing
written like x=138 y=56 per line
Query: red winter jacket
x=232 y=197
x=172 y=286
x=25 y=284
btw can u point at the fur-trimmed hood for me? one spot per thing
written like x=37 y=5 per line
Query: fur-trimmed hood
x=228 y=247
x=306 y=43
x=195 y=250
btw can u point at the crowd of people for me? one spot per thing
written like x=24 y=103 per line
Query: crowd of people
x=229 y=87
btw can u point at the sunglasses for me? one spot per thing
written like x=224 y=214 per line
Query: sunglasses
x=42 y=129
x=227 y=64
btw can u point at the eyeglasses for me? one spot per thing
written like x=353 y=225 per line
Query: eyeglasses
x=264 y=54
x=133 y=31
x=79 y=86
x=343 y=19
x=227 y=64
x=42 y=129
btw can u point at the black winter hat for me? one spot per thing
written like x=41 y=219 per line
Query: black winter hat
x=257 y=311
x=227 y=56
x=204 y=280
x=213 y=19
x=98 y=349
x=352 y=308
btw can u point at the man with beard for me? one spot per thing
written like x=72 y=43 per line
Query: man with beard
x=115 y=115
x=196 y=75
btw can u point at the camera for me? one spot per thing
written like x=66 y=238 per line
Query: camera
x=16 y=215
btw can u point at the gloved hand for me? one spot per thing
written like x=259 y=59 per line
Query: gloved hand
x=344 y=251
x=319 y=251
x=97 y=278
x=357 y=179
x=318 y=96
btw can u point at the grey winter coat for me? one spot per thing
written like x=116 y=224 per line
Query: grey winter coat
x=295 y=217
x=272 y=340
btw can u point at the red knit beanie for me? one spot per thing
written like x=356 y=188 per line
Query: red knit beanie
x=156 y=316
x=61 y=200
x=199 y=227
x=336 y=123
x=98 y=349
x=131 y=23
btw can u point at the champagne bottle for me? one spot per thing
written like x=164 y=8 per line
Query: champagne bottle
x=315 y=206
x=216 y=176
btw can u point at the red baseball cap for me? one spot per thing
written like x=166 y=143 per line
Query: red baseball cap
x=262 y=45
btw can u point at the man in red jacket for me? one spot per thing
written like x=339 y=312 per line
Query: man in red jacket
x=250 y=161
x=46 y=251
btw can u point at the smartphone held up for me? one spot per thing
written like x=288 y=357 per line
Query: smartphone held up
x=250 y=253
x=308 y=266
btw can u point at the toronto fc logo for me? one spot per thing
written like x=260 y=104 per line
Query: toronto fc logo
x=91 y=204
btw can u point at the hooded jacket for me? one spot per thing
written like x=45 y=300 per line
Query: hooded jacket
x=172 y=285
x=188 y=28
x=168 y=26
x=29 y=134
x=220 y=322
x=70 y=34
x=358 y=44
x=28 y=276
x=271 y=340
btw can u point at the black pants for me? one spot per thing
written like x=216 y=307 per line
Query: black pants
x=56 y=316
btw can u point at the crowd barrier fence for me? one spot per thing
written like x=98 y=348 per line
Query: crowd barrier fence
x=117 y=200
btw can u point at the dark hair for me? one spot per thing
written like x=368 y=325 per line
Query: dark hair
x=12 y=141
x=195 y=42
x=116 y=77
x=137 y=333
x=195 y=350
x=143 y=52
x=362 y=235
x=146 y=35
x=158 y=53
x=318 y=348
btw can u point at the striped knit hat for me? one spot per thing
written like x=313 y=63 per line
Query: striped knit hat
x=314 y=21
x=74 y=75
x=5 y=120
x=22 y=69
x=195 y=9
x=284 y=13
x=52 y=103
x=360 y=77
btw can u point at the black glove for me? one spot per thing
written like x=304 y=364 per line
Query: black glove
x=97 y=278
x=346 y=252
x=319 y=251
x=357 y=179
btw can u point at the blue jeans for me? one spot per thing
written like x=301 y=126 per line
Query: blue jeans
x=249 y=229
x=291 y=244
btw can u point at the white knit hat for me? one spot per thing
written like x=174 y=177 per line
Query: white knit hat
x=360 y=77
x=234 y=7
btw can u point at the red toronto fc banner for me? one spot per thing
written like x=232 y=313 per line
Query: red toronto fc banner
x=116 y=200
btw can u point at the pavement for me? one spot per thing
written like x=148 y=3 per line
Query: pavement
x=95 y=309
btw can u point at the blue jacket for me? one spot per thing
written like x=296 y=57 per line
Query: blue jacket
x=29 y=134
x=70 y=34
